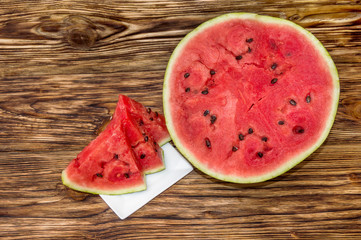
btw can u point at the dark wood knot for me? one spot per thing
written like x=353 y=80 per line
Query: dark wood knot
x=80 y=32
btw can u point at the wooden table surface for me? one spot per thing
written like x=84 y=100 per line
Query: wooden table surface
x=62 y=66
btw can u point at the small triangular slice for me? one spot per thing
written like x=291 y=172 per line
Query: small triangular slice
x=150 y=157
x=106 y=166
x=146 y=150
x=151 y=122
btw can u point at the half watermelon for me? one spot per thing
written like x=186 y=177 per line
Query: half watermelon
x=247 y=97
x=116 y=161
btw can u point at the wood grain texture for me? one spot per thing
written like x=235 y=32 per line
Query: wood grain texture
x=62 y=65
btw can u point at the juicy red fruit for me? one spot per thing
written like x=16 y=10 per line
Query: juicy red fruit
x=116 y=161
x=271 y=89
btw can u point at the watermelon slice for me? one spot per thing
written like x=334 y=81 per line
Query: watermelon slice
x=116 y=161
x=106 y=166
x=146 y=149
x=247 y=97
x=152 y=123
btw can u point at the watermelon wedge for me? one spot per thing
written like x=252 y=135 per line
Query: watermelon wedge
x=116 y=161
x=106 y=166
x=247 y=97
x=150 y=122
x=146 y=149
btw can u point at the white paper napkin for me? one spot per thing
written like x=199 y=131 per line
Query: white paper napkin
x=176 y=168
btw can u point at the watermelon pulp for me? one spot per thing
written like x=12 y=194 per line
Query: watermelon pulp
x=152 y=123
x=115 y=162
x=106 y=166
x=247 y=97
x=146 y=149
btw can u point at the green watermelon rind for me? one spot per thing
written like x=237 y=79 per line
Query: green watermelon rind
x=161 y=168
x=67 y=182
x=163 y=141
x=291 y=163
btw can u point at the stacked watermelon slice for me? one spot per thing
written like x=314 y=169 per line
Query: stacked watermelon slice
x=115 y=162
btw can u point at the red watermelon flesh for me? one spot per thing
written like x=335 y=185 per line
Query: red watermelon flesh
x=151 y=122
x=147 y=151
x=106 y=166
x=247 y=97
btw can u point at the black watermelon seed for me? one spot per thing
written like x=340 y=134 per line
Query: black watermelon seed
x=126 y=175
x=250 y=130
x=99 y=175
x=205 y=92
x=146 y=138
x=308 y=99
x=274 y=66
x=186 y=75
x=249 y=49
x=281 y=122
x=212 y=72
x=239 y=57
x=149 y=110
x=156 y=114
x=141 y=123
x=234 y=149
x=293 y=102
x=298 y=130
x=241 y=137
x=116 y=156
x=206 y=112
x=213 y=118
x=260 y=154
x=208 y=142
x=151 y=119
x=142 y=156
x=249 y=40
x=264 y=139
x=188 y=89
x=273 y=81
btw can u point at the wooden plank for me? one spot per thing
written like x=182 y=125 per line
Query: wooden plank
x=62 y=65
